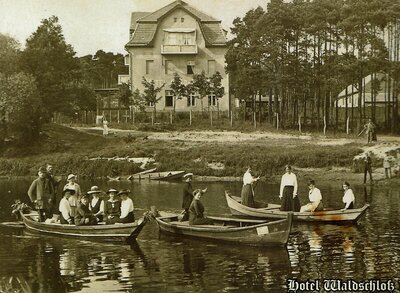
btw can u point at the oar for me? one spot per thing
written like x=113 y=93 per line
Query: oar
x=131 y=238
x=18 y=224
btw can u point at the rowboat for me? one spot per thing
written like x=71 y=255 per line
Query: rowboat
x=114 y=232
x=272 y=211
x=137 y=175
x=238 y=231
x=167 y=175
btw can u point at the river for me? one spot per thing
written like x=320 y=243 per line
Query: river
x=162 y=263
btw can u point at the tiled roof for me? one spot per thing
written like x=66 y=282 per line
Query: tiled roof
x=213 y=33
x=156 y=15
x=145 y=25
x=135 y=16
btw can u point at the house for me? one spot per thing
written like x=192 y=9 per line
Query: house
x=177 y=38
x=380 y=97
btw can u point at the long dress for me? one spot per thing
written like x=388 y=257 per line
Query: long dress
x=196 y=214
x=247 y=194
x=112 y=211
x=105 y=127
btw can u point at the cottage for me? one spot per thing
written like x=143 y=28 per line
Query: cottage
x=177 y=38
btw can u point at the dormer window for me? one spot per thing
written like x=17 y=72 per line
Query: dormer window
x=179 y=41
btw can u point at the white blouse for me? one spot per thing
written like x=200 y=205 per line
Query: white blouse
x=126 y=207
x=348 y=196
x=247 y=178
x=315 y=195
x=65 y=208
x=288 y=180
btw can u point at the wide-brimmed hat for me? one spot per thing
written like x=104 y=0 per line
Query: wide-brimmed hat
x=94 y=189
x=187 y=175
x=124 y=191
x=71 y=176
x=71 y=191
x=112 y=190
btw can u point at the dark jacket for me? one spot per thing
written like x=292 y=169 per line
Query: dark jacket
x=41 y=191
x=187 y=195
x=196 y=210
x=83 y=212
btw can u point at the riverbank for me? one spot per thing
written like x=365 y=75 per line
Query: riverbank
x=211 y=155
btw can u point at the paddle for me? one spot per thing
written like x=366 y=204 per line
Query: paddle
x=147 y=217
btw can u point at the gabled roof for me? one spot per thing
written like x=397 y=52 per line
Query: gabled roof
x=144 y=26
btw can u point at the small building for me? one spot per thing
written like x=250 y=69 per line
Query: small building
x=380 y=98
x=177 y=38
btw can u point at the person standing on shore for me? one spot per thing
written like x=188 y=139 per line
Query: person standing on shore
x=187 y=196
x=105 y=126
x=348 y=196
x=288 y=191
x=370 y=131
x=367 y=168
x=387 y=166
x=40 y=194
x=247 y=194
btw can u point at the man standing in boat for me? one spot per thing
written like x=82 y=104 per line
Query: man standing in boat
x=40 y=193
x=188 y=196
x=54 y=185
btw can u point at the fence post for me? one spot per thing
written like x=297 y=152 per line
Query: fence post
x=277 y=121
x=152 y=118
x=190 y=118
x=324 y=125
x=211 y=118
x=231 y=119
x=348 y=125
x=255 y=120
x=170 y=116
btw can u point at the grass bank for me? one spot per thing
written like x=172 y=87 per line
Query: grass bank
x=71 y=151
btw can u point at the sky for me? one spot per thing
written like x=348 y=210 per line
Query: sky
x=91 y=25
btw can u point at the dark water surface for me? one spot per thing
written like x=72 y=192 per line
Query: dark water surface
x=162 y=263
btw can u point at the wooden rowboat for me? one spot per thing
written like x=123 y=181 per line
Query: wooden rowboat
x=112 y=232
x=273 y=212
x=167 y=175
x=238 y=231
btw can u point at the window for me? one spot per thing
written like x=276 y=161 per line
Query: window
x=191 y=100
x=211 y=67
x=149 y=66
x=150 y=104
x=180 y=38
x=189 y=68
x=175 y=19
x=169 y=98
x=212 y=100
x=182 y=19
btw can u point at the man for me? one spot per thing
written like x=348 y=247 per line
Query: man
x=40 y=193
x=53 y=184
x=370 y=130
x=367 y=168
x=84 y=215
x=187 y=195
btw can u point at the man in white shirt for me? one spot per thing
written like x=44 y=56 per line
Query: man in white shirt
x=65 y=208
x=127 y=215
x=315 y=198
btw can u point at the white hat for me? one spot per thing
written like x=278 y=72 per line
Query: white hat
x=94 y=189
x=187 y=175
x=70 y=176
x=112 y=190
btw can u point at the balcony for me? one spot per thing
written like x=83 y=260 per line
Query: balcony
x=178 y=49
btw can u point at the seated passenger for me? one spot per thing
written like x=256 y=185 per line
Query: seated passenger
x=65 y=208
x=96 y=204
x=112 y=207
x=127 y=215
x=348 y=197
x=196 y=211
x=315 y=198
x=83 y=215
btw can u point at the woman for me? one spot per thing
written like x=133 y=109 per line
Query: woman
x=112 y=207
x=288 y=191
x=315 y=197
x=247 y=194
x=74 y=198
x=65 y=208
x=196 y=210
x=84 y=215
x=96 y=204
x=127 y=215
x=348 y=197
x=105 y=126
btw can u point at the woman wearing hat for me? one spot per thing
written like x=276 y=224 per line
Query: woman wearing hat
x=112 y=207
x=74 y=198
x=187 y=197
x=96 y=204
x=65 y=208
x=127 y=215
x=196 y=210
x=84 y=215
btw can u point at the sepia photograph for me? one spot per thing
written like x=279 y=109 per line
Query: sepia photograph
x=199 y=146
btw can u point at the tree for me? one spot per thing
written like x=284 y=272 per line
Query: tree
x=201 y=86
x=178 y=88
x=9 y=55
x=51 y=61
x=150 y=93
x=20 y=108
x=216 y=87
